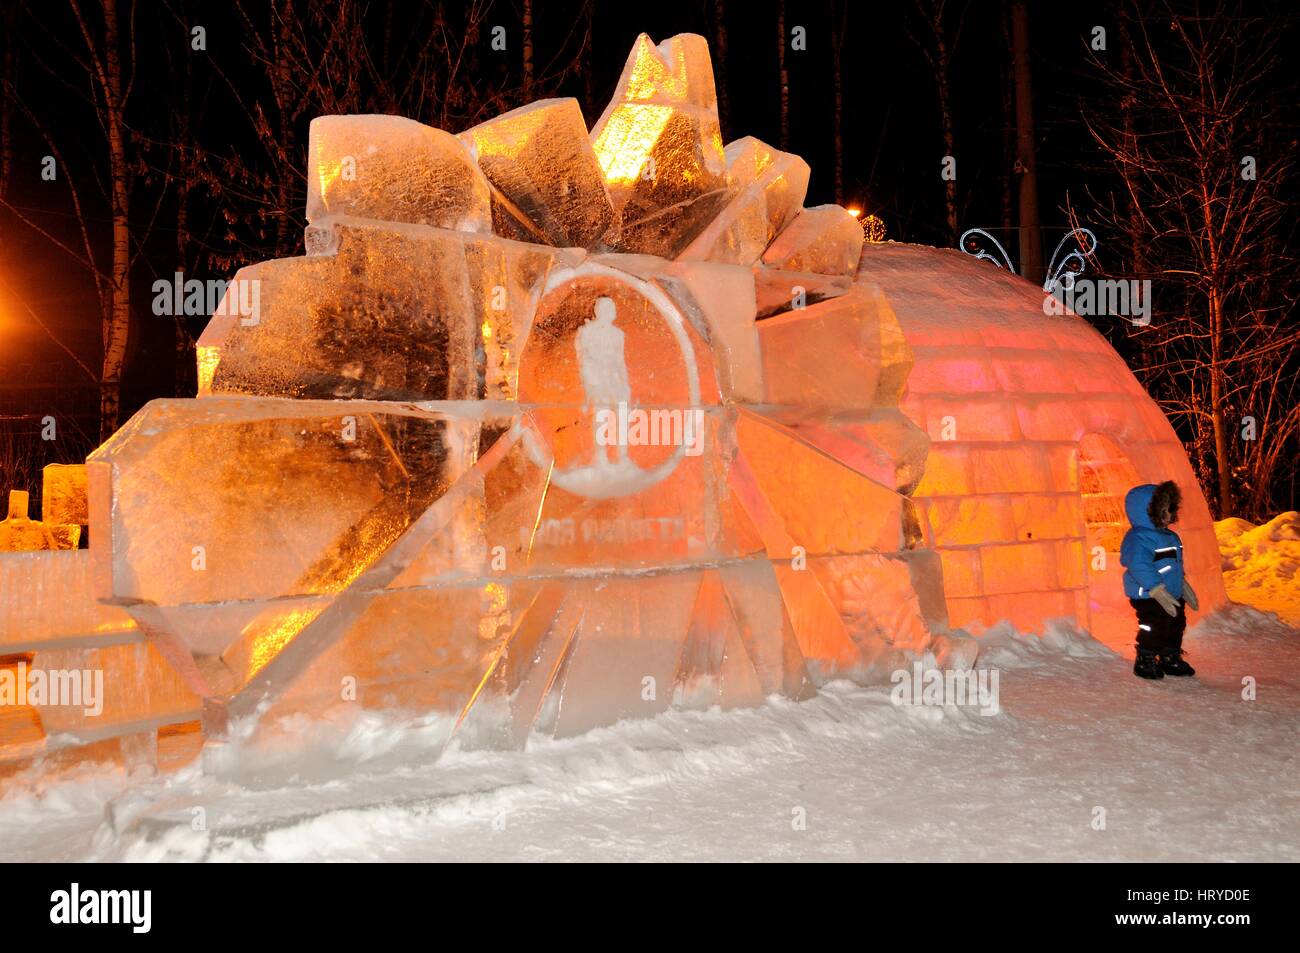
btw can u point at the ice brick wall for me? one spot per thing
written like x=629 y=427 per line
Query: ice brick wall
x=1006 y=394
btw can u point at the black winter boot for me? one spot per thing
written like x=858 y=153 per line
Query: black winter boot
x=1172 y=663
x=1147 y=665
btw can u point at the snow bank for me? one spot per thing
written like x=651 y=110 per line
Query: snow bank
x=327 y=789
x=1001 y=646
x=1243 y=622
x=1260 y=563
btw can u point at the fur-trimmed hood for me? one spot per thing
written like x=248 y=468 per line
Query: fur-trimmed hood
x=1143 y=501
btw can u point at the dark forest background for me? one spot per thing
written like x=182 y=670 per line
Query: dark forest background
x=177 y=132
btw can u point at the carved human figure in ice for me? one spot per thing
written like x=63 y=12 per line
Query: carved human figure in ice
x=603 y=366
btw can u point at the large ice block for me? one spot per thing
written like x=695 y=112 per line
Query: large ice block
x=777 y=292
x=540 y=164
x=398 y=312
x=825 y=356
x=660 y=147
x=47 y=598
x=881 y=443
x=118 y=684
x=396 y=169
x=847 y=513
x=20 y=533
x=825 y=239
x=716 y=668
x=205 y=502
x=720 y=302
x=769 y=191
x=63 y=494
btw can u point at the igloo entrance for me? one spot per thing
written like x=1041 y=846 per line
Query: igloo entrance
x=1105 y=475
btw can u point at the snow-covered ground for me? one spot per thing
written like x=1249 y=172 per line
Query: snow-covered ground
x=1183 y=769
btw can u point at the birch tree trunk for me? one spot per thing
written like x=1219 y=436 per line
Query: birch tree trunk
x=116 y=323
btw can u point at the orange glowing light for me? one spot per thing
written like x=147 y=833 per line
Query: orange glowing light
x=267 y=645
x=625 y=143
x=873 y=227
x=855 y=212
x=328 y=176
x=207 y=357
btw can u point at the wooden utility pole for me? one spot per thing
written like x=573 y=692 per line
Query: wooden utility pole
x=1031 y=236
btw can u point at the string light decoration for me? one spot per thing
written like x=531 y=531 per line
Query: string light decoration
x=873 y=228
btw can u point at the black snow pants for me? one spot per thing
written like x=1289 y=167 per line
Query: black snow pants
x=1158 y=631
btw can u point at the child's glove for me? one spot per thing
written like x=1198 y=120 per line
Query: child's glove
x=1189 y=595
x=1167 y=602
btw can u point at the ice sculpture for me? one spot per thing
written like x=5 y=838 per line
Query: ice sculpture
x=551 y=428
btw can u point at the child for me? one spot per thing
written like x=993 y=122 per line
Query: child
x=1152 y=555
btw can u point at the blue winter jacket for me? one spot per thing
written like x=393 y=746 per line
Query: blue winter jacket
x=1150 y=556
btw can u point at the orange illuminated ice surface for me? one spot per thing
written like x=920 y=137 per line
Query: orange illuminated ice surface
x=553 y=427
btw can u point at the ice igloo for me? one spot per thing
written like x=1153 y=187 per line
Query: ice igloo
x=553 y=427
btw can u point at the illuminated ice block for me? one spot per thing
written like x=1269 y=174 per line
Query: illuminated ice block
x=47 y=597
x=546 y=181
x=392 y=168
x=63 y=494
x=19 y=533
x=825 y=239
x=825 y=355
x=778 y=292
x=398 y=312
x=338 y=478
x=769 y=191
x=225 y=502
x=660 y=147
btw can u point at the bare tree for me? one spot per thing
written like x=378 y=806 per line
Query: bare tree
x=106 y=71
x=937 y=46
x=100 y=61
x=1203 y=202
x=1006 y=71
x=8 y=73
x=316 y=58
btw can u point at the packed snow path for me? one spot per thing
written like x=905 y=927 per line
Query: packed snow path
x=1185 y=770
